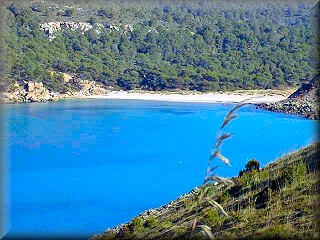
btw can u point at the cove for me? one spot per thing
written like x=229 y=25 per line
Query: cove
x=78 y=167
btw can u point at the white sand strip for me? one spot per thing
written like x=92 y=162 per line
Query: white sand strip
x=202 y=98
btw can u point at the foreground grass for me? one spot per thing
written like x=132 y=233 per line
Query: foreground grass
x=278 y=201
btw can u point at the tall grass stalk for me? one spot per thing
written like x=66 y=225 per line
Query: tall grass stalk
x=210 y=176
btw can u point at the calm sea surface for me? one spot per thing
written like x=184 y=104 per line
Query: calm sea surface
x=78 y=167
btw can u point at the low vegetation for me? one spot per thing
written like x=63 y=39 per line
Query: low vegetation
x=277 y=201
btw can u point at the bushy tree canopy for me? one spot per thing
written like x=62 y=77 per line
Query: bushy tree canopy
x=160 y=46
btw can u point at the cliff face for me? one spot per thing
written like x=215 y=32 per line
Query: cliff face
x=278 y=201
x=305 y=101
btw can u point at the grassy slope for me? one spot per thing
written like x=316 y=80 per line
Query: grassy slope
x=278 y=201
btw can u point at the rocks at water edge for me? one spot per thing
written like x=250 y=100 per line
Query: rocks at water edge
x=304 y=101
x=37 y=92
x=167 y=208
x=30 y=92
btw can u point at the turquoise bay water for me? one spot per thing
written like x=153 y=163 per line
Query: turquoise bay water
x=80 y=167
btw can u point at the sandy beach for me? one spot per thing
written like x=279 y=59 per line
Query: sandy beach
x=197 y=97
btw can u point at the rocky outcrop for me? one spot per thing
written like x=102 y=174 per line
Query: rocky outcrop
x=304 y=101
x=50 y=28
x=29 y=92
x=16 y=94
x=87 y=87
x=36 y=92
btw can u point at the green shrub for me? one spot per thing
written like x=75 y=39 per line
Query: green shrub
x=136 y=225
x=212 y=216
x=250 y=166
x=253 y=164
x=295 y=173
x=289 y=174
x=301 y=171
x=150 y=222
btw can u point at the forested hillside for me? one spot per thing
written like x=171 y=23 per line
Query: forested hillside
x=160 y=45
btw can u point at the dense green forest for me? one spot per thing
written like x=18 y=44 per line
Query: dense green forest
x=204 y=46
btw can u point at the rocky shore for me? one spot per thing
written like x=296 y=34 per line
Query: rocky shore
x=304 y=101
x=37 y=92
x=164 y=210
x=264 y=204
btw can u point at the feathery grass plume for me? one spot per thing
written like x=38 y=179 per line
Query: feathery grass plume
x=211 y=177
x=221 y=137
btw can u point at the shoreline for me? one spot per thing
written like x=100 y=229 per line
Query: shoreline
x=253 y=96
x=229 y=97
